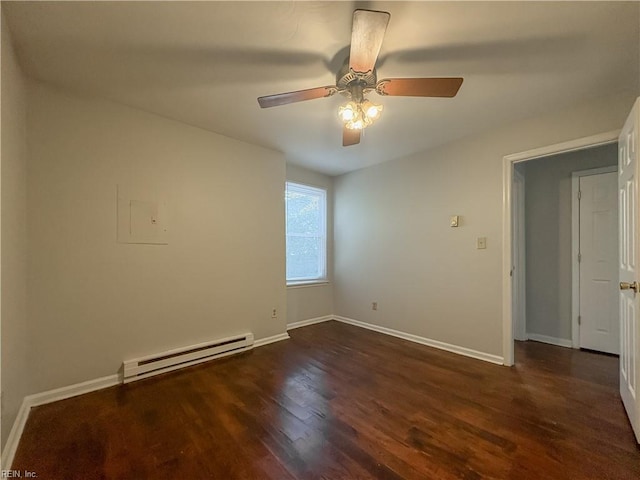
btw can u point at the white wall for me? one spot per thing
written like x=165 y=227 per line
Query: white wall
x=313 y=301
x=548 y=214
x=13 y=256
x=393 y=243
x=94 y=302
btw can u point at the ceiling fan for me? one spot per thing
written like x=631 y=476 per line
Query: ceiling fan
x=357 y=77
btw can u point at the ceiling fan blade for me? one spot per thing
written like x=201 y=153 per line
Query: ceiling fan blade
x=419 y=87
x=297 y=96
x=367 y=34
x=350 y=137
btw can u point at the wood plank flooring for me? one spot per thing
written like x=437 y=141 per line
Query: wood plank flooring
x=340 y=402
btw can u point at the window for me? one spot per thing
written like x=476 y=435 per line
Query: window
x=306 y=217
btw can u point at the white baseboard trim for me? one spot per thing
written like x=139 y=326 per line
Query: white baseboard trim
x=73 y=390
x=310 y=321
x=560 y=342
x=467 y=352
x=272 y=339
x=13 y=440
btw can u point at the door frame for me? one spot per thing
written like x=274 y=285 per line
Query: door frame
x=519 y=258
x=508 y=163
x=575 y=246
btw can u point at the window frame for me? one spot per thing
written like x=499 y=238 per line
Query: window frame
x=310 y=190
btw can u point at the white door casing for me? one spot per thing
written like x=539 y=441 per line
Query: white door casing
x=508 y=164
x=628 y=161
x=598 y=253
x=518 y=253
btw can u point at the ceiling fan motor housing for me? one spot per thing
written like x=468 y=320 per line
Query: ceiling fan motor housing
x=347 y=78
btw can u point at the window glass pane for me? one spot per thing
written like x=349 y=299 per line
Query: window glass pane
x=303 y=213
x=306 y=232
x=303 y=258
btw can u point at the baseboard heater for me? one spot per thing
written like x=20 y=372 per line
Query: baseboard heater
x=148 y=366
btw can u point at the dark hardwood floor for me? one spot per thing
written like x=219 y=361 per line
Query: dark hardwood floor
x=340 y=402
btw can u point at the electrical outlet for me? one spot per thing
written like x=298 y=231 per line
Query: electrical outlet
x=374 y=306
x=481 y=243
x=274 y=313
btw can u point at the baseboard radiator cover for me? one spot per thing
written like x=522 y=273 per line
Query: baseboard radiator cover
x=163 y=362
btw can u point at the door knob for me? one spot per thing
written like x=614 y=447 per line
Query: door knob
x=629 y=286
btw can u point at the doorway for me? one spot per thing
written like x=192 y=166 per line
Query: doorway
x=551 y=209
x=509 y=164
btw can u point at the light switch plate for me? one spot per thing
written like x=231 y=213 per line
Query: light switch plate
x=481 y=243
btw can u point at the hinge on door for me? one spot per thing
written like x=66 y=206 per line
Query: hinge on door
x=579 y=194
x=579 y=320
x=579 y=257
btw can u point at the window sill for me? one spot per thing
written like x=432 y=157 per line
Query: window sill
x=310 y=283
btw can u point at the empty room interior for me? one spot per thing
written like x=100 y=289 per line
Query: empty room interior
x=320 y=240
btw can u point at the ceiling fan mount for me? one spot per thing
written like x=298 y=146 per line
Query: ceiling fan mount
x=358 y=77
x=347 y=77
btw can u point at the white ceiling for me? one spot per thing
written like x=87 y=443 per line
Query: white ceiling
x=205 y=63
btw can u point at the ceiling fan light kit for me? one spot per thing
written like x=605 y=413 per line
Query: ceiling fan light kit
x=358 y=77
x=357 y=116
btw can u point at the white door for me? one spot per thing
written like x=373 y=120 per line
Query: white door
x=599 y=316
x=628 y=232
